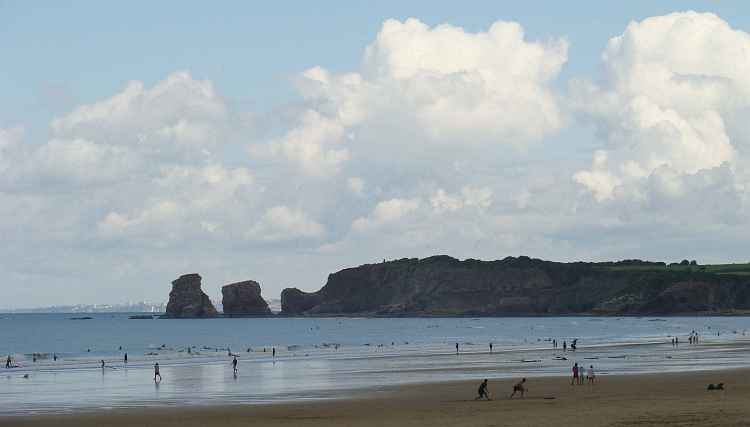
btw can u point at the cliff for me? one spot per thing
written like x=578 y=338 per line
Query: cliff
x=243 y=299
x=442 y=286
x=187 y=300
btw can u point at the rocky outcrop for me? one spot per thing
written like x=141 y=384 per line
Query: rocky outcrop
x=243 y=299
x=442 y=286
x=187 y=300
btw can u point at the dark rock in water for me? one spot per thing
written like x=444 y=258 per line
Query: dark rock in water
x=294 y=301
x=187 y=300
x=82 y=318
x=142 y=316
x=441 y=286
x=243 y=299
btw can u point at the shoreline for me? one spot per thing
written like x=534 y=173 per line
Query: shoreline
x=674 y=398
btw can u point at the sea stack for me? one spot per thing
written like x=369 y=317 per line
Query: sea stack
x=187 y=300
x=242 y=299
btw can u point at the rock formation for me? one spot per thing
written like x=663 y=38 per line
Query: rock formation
x=442 y=286
x=187 y=300
x=243 y=299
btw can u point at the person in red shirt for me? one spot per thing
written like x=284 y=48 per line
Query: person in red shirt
x=575 y=374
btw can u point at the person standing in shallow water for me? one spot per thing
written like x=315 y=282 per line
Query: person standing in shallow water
x=456 y=347
x=156 y=372
x=234 y=365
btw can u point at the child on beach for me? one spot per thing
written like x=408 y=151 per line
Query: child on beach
x=581 y=375
x=591 y=375
x=483 y=391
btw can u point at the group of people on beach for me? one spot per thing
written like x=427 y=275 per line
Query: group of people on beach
x=485 y=392
x=580 y=376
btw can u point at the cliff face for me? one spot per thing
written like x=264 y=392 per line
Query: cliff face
x=243 y=299
x=444 y=286
x=187 y=300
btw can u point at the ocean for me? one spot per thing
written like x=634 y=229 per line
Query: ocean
x=326 y=358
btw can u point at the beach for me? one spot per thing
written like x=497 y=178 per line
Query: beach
x=668 y=399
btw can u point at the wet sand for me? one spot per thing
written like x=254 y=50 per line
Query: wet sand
x=670 y=399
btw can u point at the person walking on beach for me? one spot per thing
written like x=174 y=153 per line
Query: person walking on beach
x=575 y=374
x=591 y=375
x=581 y=375
x=102 y=363
x=8 y=363
x=483 y=391
x=565 y=346
x=156 y=372
x=518 y=387
x=234 y=365
x=126 y=357
x=456 y=348
x=490 y=348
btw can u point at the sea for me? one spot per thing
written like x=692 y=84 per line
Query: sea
x=57 y=358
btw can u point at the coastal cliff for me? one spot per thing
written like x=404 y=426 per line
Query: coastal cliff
x=442 y=286
x=243 y=299
x=188 y=301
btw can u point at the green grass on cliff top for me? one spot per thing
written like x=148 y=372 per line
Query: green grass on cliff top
x=742 y=269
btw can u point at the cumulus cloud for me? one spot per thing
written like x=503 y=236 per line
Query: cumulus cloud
x=424 y=88
x=281 y=223
x=669 y=85
x=177 y=116
x=479 y=198
x=386 y=212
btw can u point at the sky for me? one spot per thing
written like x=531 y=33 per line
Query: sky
x=284 y=141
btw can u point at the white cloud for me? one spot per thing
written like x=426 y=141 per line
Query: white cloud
x=10 y=140
x=479 y=198
x=386 y=212
x=425 y=89
x=281 y=223
x=356 y=185
x=669 y=84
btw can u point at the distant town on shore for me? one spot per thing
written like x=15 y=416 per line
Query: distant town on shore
x=128 y=307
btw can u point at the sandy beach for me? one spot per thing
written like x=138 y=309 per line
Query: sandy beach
x=670 y=399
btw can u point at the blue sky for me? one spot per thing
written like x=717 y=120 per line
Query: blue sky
x=281 y=142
